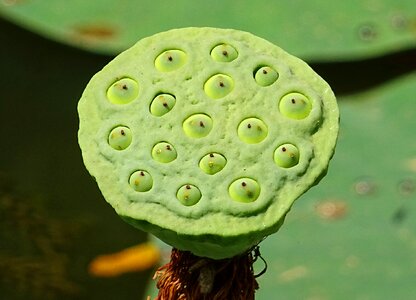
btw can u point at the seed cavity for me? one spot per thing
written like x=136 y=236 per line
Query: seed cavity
x=170 y=60
x=164 y=152
x=218 y=86
x=212 y=163
x=141 y=181
x=265 y=76
x=244 y=190
x=120 y=138
x=123 y=91
x=224 y=53
x=162 y=104
x=286 y=156
x=295 y=106
x=188 y=195
x=197 y=125
x=252 y=130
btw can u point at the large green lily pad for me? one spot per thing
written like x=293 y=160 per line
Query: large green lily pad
x=314 y=30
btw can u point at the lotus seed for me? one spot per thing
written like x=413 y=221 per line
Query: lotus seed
x=286 y=156
x=170 y=60
x=123 y=91
x=197 y=126
x=252 y=131
x=224 y=53
x=188 y=195
x=218 y=86
x=295 y=106
x=120 y=138
x=164 y=152
x=214 y=114
x=212 y=163
x=162 y=104
x=141 y=181
x=265 y=76
x=244 y=190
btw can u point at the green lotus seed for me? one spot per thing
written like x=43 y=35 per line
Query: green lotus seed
x=295 y=106
x=123 y=91
x=141 y=181
x=212 y=163
x=162 y=104
x=252 y=131
x=164 y=152
x=265 y=76
x=224 y=53
x=120 y=138
x=218 y=86
x=286 y=156
x=220 y=109
x=244 y=190
x=170 y=60
x=188 y=195
x=197 y=126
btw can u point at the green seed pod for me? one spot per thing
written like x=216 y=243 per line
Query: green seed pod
x=224 y=53
x=164 y=152
x=286 y=156
x=123 y=91
x=141 y=181
x=218 y=86
x=212 y=163
x=120 y=138
x=197 y=126
x=188 y=195
x=295 y=106
x=162 y=104
x=244 y=192
x=265 y=76
x=170 y=60
x=252 y=130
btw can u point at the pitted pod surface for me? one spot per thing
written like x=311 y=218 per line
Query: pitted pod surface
x=205 y=137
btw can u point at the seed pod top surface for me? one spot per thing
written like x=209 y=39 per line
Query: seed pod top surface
x=219 y=165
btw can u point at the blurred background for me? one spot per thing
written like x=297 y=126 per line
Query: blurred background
x=351 y=237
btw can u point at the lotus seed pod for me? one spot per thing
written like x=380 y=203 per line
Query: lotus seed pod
x=265 y=76
x=212 y=163
x=123 y=91
x=286 y=156
x=252 y=130
x=197 y=126
x=188 y=195
x=162 y=104
x=120 y=138
x=224 y=53
x=170 y=60
x=164 y=152
x=218 y=86
x=295 y=106
x=244 y=190
x=240 y=195
x=141 y=181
